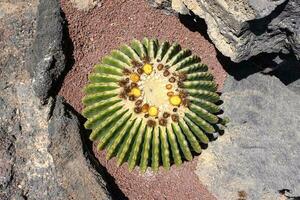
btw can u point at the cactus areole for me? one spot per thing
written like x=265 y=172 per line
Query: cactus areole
x=151 y=104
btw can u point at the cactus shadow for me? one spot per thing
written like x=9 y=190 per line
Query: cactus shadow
x=68 y=51
x=113 y=189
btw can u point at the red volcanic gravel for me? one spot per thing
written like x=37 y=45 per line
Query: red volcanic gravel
x=94 y=34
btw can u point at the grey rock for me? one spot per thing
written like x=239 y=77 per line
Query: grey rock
x=30 y=167
x=34 y=167
x=48 y=62
x=74 y=172
x=164 y=5
x=7 y=150
x=7 y=112
x=262 y=8
x=49 y=159
x=259 y=154
x=245 y=28
x=295 y=86
x=85 y=5
x=18 y=153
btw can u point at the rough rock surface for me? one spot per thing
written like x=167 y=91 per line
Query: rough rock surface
x=164 y=5
x=16 y=32
x=245 y=28
x=8 y=128
x=85 y=5
x=258 y=156
x=77 y=177
x=48 y=59
x=30 y=167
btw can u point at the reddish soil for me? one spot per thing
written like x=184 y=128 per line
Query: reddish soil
x=179 y=183
x=94 y=34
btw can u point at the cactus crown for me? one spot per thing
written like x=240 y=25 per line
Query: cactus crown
x=151 y=104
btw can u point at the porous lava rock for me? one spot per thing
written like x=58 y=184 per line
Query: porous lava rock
x=245 y=28
x=75 y=174
x=48 y=58
x=30 y=165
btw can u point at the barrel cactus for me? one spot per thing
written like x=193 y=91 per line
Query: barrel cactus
x=151 y=104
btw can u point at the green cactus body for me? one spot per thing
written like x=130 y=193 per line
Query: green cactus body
x=155 y=149
x=127 y=142
x=174 y=146
x=151 y=104
x=182 y=141
x=190 y=136
x=146 y=149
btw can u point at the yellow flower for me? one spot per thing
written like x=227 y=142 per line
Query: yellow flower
x=175 y=100
x=134 y=77
x=153 y=111
x=148 y=69
x=135 y=92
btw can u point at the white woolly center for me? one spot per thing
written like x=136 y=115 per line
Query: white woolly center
x=155 y=92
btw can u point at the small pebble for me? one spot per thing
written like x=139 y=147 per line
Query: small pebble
x=122 y=95
x=183 y=94
x=151 y=123
x=137 y=109
x=166 y=73
x=136 y=63
x=160 y=67
x=138 y=102
x=131 y=98
x=175 y=118
x=122 y=83
x=182 y=77
x=140 y=71
x=146 y=59
x=133 y=84
x=180 y=84
x=166 y=115
x=169 y=86
x=145 y=108
x=186 y=102
x=172 y=79
x=126 y=71
x=170 y=94
x=127 y=89
x=162 y=122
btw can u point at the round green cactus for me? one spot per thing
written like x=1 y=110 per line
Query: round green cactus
x=151 y=104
